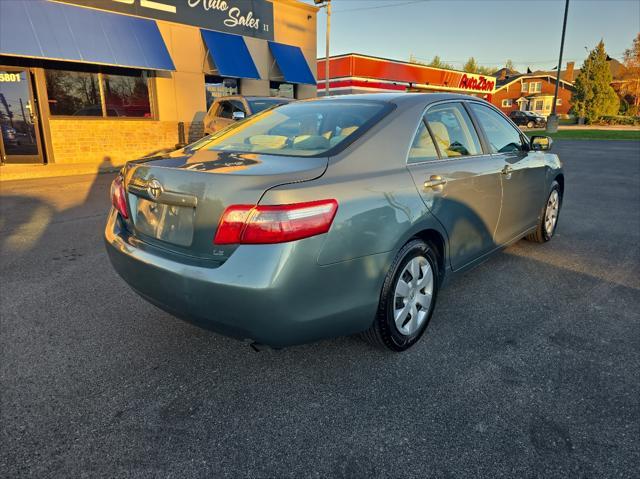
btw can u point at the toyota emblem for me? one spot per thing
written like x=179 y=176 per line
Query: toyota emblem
x=154 y=188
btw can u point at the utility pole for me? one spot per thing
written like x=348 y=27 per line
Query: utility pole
x=552 y=121
x=326 y=4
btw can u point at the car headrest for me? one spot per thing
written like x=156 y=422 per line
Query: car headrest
x=441 y=133
x=310 y=142
x=268 y=141
x=348 y=130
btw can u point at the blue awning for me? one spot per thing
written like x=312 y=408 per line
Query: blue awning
x=292 y=63
x=230 y=54
x=43 y=29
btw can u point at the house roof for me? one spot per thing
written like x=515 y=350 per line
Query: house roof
x=500 y=84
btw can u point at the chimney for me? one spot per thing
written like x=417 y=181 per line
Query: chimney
x=568 y=74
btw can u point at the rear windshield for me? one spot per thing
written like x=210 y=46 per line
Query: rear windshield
x=258 y=105
x=309 y=128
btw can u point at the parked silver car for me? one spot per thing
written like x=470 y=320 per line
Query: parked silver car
x=331 y=217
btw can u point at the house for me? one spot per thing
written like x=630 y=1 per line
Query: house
x=534 y=91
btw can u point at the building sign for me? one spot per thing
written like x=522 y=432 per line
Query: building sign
x=471 y=81
x=251 y=18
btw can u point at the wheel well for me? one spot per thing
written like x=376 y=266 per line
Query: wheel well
x=436 y=240
x=560 y=180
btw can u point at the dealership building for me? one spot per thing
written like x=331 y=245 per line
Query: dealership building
x=105 y=81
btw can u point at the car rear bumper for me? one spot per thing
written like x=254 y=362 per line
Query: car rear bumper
x=272 y=294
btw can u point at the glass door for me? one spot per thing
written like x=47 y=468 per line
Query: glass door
x=20 y=141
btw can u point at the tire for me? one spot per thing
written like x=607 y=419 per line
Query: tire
x=530 y=124
x=384 y=331
x=544 y=231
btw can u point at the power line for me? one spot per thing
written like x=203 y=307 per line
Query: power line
x=381 y=6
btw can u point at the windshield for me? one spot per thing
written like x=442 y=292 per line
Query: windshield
x=307 y=128
x=258 y=105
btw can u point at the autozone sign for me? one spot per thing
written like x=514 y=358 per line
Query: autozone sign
x=471 y=81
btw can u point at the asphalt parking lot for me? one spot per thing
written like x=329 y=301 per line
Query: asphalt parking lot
x=529 y=368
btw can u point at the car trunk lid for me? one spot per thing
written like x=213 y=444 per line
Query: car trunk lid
x=176 y=200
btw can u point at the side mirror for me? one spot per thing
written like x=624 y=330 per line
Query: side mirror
x=540 y=143
x=238 y=115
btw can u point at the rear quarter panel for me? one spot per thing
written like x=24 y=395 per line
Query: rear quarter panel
x=379 y=208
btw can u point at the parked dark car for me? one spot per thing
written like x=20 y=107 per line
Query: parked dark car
x=529 y=119
x=332 y=216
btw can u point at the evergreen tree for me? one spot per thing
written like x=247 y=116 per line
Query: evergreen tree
x=471 y=66
x=594 y=96
x=437 y=63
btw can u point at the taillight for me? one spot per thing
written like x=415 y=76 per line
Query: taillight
x=250 y=224
x=119 y=196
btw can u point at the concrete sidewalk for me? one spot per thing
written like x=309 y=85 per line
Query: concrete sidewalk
x=23 y=172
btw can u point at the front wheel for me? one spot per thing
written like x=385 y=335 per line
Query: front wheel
x=407 y=299
x=549 y=217
x=530 y=124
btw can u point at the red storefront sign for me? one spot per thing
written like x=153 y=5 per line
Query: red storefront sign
x=380 y=73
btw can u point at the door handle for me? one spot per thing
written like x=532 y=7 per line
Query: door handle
x=434 y=182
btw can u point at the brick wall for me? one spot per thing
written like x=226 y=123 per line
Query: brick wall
x=101 y=142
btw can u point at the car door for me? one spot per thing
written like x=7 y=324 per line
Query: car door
x=458 y=182
x=522 y=172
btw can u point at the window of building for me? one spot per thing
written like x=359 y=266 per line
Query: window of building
x=423 y=148
x=539 y=105
x=453 y=131
x=507 y=103
x=502 y=137
x=216 y=87
x=535 y=87
x=126 y=95
x=559 y=101
x=73 y=93
x=281 y=89
x=525 y=87
x=97 y=94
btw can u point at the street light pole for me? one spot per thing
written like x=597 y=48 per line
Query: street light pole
x=326 y=50
x=552 y=121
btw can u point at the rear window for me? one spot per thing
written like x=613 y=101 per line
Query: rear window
x=258 y=105
x=309 y=128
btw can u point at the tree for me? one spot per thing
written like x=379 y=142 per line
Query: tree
x=631 y=89
x=594 y=97
x=509 y=65
x=437 y=63
x=471 y=66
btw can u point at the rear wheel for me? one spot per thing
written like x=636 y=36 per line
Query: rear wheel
x=407 y=299
x=530 y=124
x=549 y=216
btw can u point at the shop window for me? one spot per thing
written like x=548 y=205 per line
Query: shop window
x=281 y=89
x=216 y=87
x=78 y=93
x=73 y=93
x=126 y=95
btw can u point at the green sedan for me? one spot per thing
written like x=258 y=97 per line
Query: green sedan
x=331 y=217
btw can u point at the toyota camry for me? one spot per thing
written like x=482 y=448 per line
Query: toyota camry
x=332 y=216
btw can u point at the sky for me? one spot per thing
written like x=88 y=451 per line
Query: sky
x=525 y=31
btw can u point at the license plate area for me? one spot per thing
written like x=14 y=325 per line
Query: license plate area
x=169 y=223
